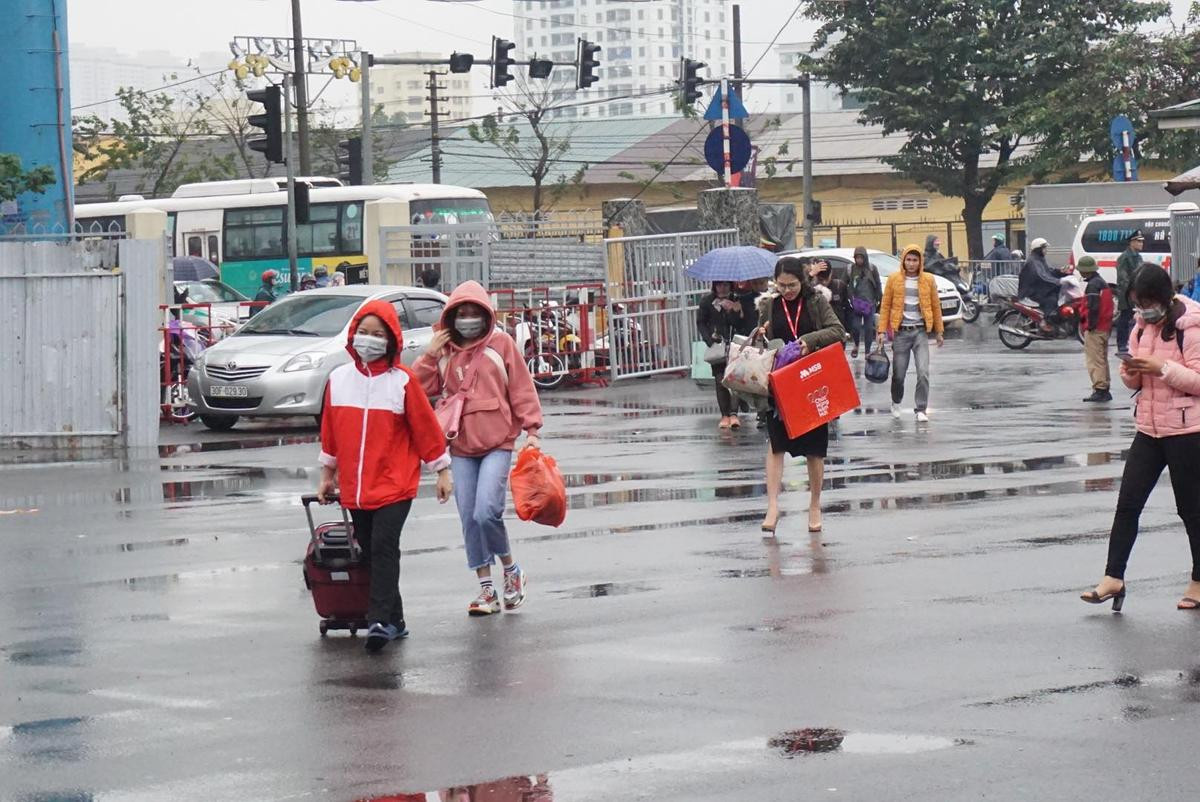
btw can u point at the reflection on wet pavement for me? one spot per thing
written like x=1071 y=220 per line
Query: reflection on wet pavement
x=825 y=739
x=605 y=589
x=510 y=789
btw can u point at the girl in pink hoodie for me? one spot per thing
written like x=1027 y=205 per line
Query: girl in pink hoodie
x=501 y=403
x=1164 y=365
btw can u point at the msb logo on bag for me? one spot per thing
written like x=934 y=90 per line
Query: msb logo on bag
x=812 y=370
x=820 y=399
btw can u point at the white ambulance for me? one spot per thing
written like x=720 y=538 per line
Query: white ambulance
x=1105 y=236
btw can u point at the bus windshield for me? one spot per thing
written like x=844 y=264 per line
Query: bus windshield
x=305 y=315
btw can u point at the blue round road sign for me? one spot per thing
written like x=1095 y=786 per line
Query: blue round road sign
x=739 y=150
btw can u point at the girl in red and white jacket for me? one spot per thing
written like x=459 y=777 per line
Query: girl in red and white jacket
x=1164 y=365
x=502 y=402
x=376 y=429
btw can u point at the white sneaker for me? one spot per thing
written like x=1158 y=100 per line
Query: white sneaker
x=896 y=411
x=922 y=417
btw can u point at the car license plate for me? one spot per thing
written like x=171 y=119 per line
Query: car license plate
x=229 y=391
x=947 y=305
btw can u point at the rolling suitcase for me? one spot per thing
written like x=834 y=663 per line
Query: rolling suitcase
x=335 y=573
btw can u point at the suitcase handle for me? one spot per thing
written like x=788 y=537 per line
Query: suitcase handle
x=309 y=500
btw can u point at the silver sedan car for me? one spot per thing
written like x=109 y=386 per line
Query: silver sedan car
x=277 y=364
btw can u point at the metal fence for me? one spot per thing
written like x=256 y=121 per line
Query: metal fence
x=651 y=303
x=982 y=274
x=78 y=358
x=511 y=254
x=1185 y=245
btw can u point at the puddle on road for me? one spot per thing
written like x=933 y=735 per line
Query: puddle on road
x=816 y=740
x=49 y=652
x=605 y=589
x=535 y=788
x=51 y=739
x=1043 y=694
x=177 y=449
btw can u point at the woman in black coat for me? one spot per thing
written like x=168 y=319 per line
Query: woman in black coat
x=719 y=317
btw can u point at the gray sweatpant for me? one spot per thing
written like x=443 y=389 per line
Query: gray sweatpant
x=908 y=345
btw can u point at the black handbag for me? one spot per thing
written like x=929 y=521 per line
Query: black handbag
x=877 y=367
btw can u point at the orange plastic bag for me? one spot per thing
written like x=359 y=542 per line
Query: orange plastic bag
x=538 y=490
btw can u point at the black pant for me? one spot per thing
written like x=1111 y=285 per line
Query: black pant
x=1147 y=458
x=1124 y=325
x=378 y=533
x=724 y=397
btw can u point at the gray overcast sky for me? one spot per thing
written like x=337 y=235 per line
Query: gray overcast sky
x=385 y=26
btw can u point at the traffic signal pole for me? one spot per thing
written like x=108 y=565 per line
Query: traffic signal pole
x=298 y=56
x=435 y=141
x=368 y=139
x=290 y=151
x=806 y=117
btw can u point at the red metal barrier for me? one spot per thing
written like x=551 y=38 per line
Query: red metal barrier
x=557 y=330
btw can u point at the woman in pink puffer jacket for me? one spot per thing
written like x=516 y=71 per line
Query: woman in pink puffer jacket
x=1164 y=365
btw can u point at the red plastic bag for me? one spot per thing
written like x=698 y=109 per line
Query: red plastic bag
x=538 y=490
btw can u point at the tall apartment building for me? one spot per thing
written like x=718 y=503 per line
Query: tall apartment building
x=642 y=43
x=402 y=90
x=98 y=72
x=822 y=96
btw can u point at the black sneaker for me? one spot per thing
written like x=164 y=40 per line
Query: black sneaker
x=1098 y=396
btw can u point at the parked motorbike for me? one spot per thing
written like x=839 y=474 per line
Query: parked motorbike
x=186 y=342
x=948 y=269
x=1020 y=319
x=548 y=337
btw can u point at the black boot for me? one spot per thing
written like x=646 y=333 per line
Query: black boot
x=1099 y=396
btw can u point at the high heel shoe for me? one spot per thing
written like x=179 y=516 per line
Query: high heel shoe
x=770 y=530
x=1118 y=598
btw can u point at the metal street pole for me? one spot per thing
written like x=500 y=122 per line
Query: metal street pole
x=289 y=153
x=298 y=58
x=737 y=53
x=725 y=132
x=808 y=198
x=368 y=140
x=435 y=142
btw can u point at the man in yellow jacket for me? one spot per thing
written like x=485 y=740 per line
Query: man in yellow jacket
x=909 y=313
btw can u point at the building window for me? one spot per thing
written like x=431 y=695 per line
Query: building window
x=852 y=101
x=791 y=98
x=899 y=204
x=641 y=14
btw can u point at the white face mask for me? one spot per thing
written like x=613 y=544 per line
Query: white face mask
x=470 y=327
x=369 y=348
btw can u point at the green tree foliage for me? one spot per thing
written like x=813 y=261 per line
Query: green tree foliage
x=15 y=180
x=546 y=145
x=1132 y=74
x=967 y=81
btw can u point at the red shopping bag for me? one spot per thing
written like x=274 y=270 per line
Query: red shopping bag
x=814 y=389
x=538 y=490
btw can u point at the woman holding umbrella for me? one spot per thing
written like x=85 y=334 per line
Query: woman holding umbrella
x=718 y=318
x=720 y=315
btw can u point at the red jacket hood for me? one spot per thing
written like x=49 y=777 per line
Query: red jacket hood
x=469 y=292
x=385 y=312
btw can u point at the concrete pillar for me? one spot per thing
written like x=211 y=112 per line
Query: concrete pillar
x=378 y=214
x=629 y=215
x=151 y=225
x=733 y=207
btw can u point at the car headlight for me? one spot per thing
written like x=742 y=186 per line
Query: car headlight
x=309 y=360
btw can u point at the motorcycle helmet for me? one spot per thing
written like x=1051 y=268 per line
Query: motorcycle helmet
x=1018 y=254
x=268 y=276
x=1040 y=242
x=998 y=238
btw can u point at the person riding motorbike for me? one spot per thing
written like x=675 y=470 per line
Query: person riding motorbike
x=1040 y=282
x=933 y=256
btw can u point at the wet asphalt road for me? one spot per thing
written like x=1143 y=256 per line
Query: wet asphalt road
x=157 y=642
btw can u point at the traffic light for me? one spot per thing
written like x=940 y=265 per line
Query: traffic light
x=302 y=207
x=586 y=63
x=689 y=81
x=461 y=62
x=270 y=121
x=540 y=67
x=501 y=61
x=349 y=161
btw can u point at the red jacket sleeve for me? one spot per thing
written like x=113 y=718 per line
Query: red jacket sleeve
x=328 y=456
x=427 y=434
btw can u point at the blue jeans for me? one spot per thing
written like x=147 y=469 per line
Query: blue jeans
x=863 y=326
x=479 y=487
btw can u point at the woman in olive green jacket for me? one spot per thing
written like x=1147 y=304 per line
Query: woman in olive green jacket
x=797 y=312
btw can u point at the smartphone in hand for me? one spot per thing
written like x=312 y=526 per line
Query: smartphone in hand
x=1124 y=357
